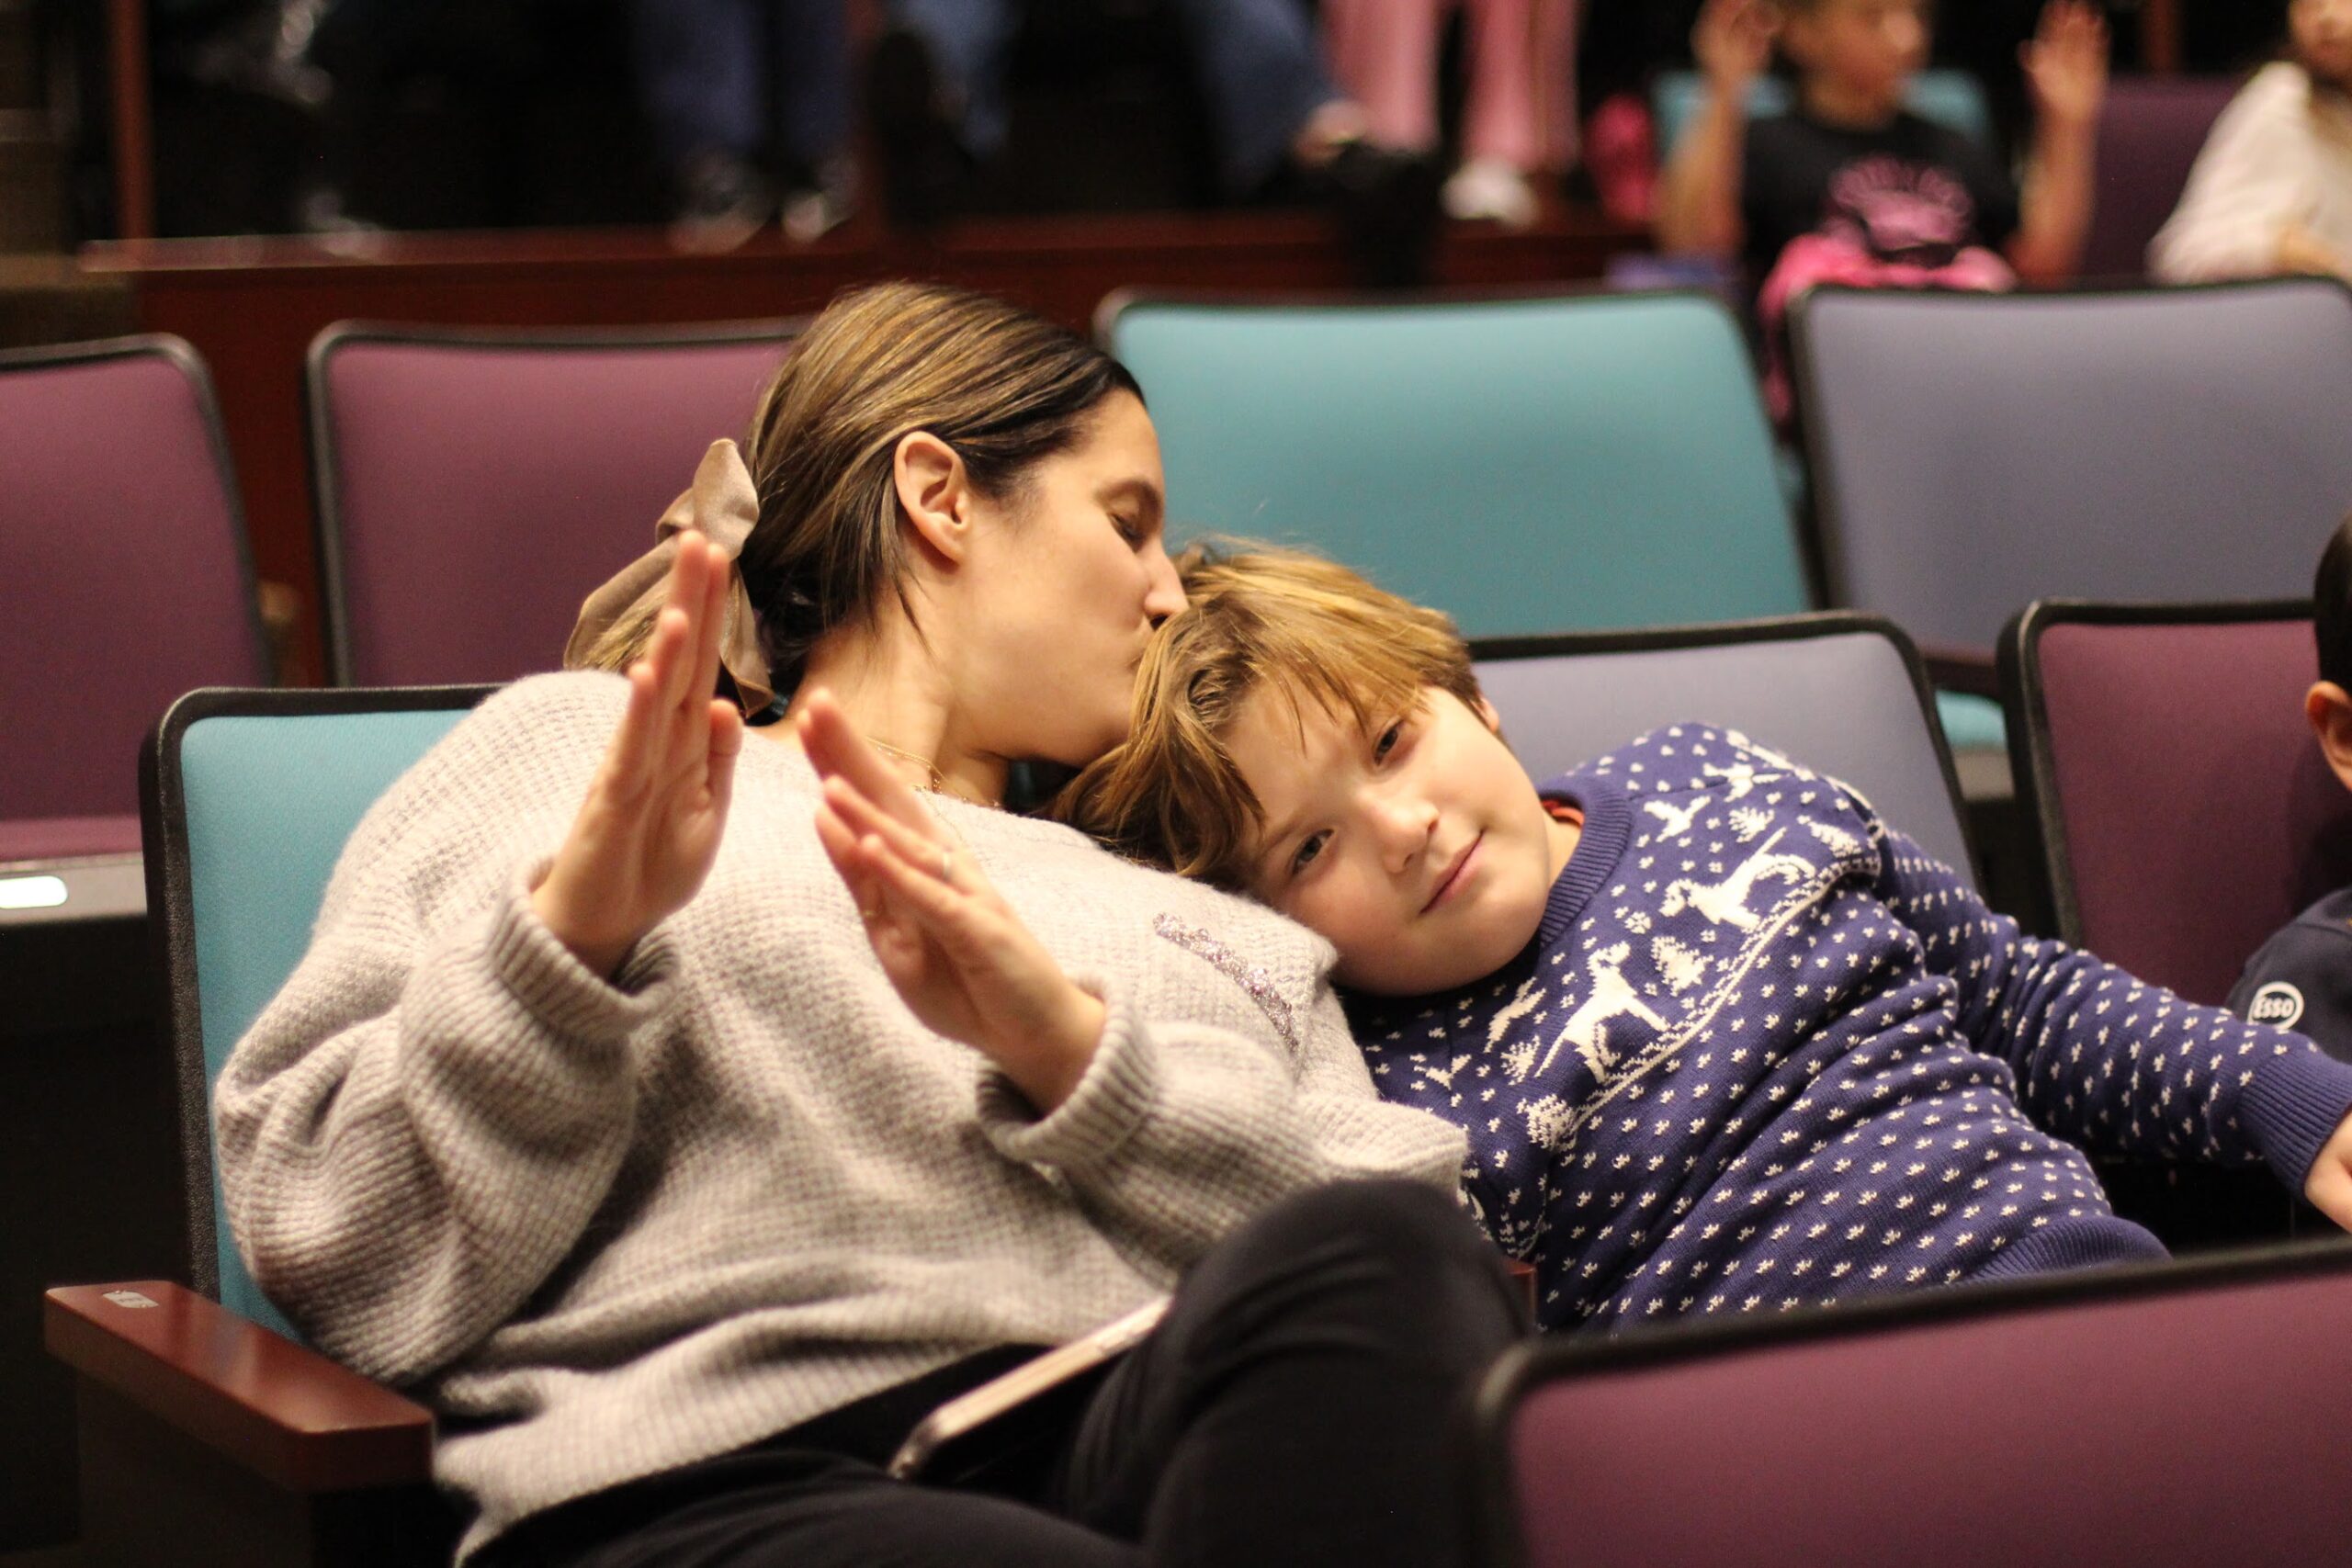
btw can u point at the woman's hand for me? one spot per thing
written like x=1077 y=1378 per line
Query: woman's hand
x=1732 y=42
x=957 y=953
x=650 y=829
x=2329 y=1184
x=2066 y=64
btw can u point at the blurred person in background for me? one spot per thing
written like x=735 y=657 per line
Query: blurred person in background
x=747 y=99
x=2272 y=191
x=1519 y=120
x=937 y=93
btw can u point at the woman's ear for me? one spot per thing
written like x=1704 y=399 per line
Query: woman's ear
x=2329 y=708
x=935 y=492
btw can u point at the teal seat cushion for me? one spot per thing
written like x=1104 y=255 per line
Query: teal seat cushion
x=1527 y=465
x=269 y=803
x=1972 y=723
x=1952 y=99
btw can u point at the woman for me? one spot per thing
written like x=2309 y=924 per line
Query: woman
x=681 y=1170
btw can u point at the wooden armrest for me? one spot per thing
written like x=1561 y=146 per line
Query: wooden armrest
x=285 y=1413
x=1969 y=669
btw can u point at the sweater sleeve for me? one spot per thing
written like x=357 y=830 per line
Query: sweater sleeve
x=2122 y=1067
x=1178 y=1131
x=420 y=1127
x=2251 y=181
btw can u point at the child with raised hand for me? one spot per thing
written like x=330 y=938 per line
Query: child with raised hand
x=1722 y=1040
x=1850 y=163
x=2301 y=978
x=2272 y=191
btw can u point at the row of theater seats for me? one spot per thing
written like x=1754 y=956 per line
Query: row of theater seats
x=1531 y=464
x=479 y=485
x=252 y=793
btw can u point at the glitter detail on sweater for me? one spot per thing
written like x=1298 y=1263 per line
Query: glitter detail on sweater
x=1251 y=977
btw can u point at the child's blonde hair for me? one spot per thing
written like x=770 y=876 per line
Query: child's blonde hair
x=1255 y=618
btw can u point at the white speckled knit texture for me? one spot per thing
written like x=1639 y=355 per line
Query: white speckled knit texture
x=605 y=1229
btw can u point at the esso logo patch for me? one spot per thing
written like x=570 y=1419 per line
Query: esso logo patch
x=2277 y=1004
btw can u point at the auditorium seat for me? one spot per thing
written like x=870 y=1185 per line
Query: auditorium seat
x=1970 y=453
x=122 y=539
x=1527 y=464
x=1841 y=693
x=123 y=546
x=2150 y=131
x=2183 y=813
x=471 y=487
x=2144 y=1417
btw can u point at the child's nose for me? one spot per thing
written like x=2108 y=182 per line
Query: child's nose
x=1404 y=824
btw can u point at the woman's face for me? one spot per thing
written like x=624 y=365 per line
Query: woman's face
x=1064 y=581
x=2322 y=38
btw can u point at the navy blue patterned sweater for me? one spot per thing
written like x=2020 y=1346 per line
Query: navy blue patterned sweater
x=1765 y=1051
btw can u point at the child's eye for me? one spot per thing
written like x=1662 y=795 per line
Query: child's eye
x=1129 y=528
x=1387 y=742
x=1312 y=846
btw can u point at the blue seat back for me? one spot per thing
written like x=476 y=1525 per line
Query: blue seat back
x=1971 y=453
x=1952 y=99
x=249 y=799
x=1526 y=465
x=1842 y=694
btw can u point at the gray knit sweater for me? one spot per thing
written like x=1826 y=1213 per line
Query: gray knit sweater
x=605 y=1229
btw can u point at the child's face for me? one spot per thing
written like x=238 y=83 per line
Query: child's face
x=2322 y=30
x=1870 y=48
x=1421 y=850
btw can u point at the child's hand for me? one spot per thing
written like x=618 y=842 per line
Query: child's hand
x=2329 y=1185
x=1733 y=41
x=2066 y=64
x=960 y=957
x=649 y=829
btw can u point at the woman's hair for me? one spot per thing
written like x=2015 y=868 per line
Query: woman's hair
x=1001 y=387
x=1257 y=619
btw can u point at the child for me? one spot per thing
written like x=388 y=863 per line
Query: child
x=1850 y=187
x=2272 y=192
x=2301 y=978
x=1722 y=1040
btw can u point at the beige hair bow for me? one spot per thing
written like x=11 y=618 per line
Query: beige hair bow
x=616 y=620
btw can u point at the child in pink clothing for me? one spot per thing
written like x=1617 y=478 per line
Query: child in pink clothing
x=1520 y=116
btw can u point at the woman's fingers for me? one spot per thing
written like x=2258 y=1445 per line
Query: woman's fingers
x=836 y=749
x=726 y=745
x=923 y=848
x=710 y=626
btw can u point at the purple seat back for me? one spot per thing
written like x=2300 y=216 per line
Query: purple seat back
x=2185 y=811
x=1972 y=453
x=2150 y=131
x=123 y=550
x=473 y=488
x=2172 y=1415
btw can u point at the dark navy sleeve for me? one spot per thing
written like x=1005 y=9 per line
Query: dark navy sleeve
x=2107 y=1061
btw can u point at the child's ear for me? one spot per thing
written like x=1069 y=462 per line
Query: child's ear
x=2329 y=708
x=1486 y=715
x=934 y=491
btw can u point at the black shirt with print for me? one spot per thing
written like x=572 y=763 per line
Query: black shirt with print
x=2302 y=979
x=1909 y=191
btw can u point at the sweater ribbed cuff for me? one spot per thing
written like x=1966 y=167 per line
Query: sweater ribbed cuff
x=548 y=980
x=1121 y=1085
x=2294 y=1105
